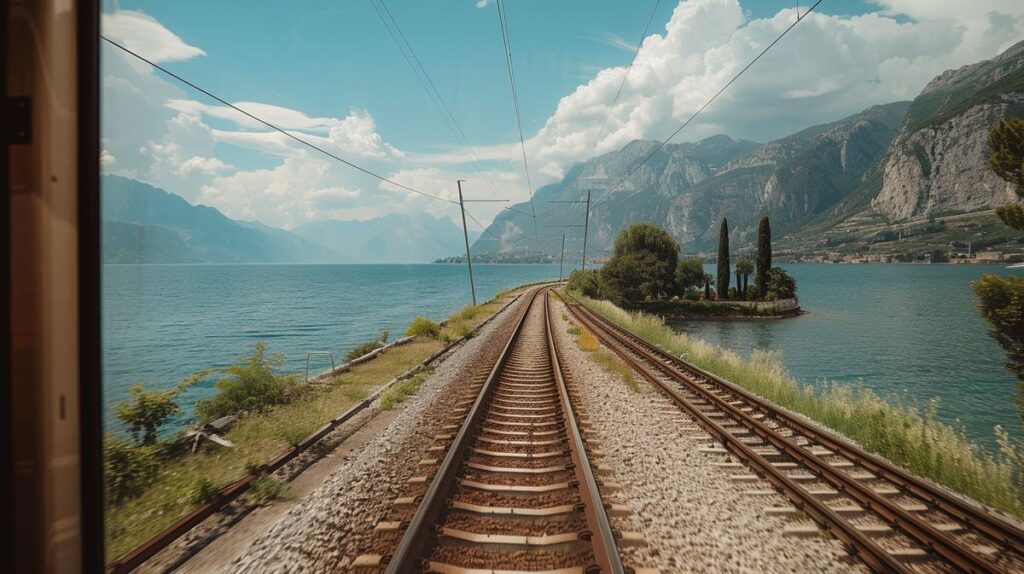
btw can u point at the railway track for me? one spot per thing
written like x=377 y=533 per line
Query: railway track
x=891 y=520
x=509 y=486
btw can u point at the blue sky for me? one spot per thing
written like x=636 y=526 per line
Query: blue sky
x=335 y=62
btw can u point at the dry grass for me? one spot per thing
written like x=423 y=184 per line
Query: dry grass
x=908 y=436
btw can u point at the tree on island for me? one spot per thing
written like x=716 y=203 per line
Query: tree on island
x=744 y=267
x=689 y=274
x=1006 y=144
x=707 y=286
x=780 y=284
x=764 y=254
x=642 y=266
x=723 y=261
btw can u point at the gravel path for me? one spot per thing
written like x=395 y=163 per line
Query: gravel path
x=692 y=517
x=327 y=531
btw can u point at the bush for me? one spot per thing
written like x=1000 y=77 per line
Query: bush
x=584 y=282
x=752 y=293
x=252 y=385
x=263 y=489
x=203 y=490
x=690 y=274
x=127 y=469
x=368 y=347
x=781 y=284
x=145 y=412
x=642 y=266
x=469 y=312
x=423 y=327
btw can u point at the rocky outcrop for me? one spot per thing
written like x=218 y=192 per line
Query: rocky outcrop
x=942 y=169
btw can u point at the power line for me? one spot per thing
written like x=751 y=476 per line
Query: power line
x=405 y=47
x=515 y=102
x=663 y=143
x=272 y=126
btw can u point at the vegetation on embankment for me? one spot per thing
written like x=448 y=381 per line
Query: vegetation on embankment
x=908 y=436
x=152 y=484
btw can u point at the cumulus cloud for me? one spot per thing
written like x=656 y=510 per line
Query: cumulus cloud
x=142 y=33
x=203 y=165
x=107 y=160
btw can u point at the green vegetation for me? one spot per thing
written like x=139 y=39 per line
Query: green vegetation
x=642 y=266
x=149 y=487
x=744 y=268
x=368 y=347
x=908 y=436
x=780 y=285
x=403 y=389
x=764 y=254
x=252 y=386
x=264 y=489
x=584 y=281
x=608 y=361
x=723 y=261
x=689 y=275
x=1006 y=145
x=1001 y=303
x=423 y=327
x=146 y=411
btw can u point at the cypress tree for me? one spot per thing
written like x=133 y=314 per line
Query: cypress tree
x=723 y=261
x=764 y=255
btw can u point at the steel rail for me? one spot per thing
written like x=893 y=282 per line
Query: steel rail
x=410 y=548
x=929 y=537
x=605 y=549
x=994 y=527
x=858 y=543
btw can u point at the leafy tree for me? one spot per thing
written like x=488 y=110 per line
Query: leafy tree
x=633 y=277
x=764 y=254
x=689 y=273
x=744 y=267
x=723 y=260
x=1006 y=143
x=1001 y=303
x=707 y=286
x=146 y=411
x=251 y=385
x=643 y=264
x=585 y=282
x=781 y=284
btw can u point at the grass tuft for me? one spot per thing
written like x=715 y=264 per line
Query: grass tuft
x=403 y=389
x=908 y=436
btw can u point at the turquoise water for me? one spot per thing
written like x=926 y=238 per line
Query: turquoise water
x=909 y=330
x=162 y=322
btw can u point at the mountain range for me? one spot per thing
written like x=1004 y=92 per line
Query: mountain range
x=837 y=187
x=145 y=224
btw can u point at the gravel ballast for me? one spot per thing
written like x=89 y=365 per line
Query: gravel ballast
x=335 y=524
x=693 y=518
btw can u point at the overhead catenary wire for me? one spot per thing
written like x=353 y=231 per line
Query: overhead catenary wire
x=286 y=133
x=411 y=58
x=503 y=24
x=661 y=145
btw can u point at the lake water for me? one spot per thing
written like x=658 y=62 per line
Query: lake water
x=162 y=322
x=910 y=330
x=905 y=329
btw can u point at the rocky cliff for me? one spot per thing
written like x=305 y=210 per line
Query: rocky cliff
x=938 y=163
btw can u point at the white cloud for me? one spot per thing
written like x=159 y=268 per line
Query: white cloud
x=203 y=165
x=826 y=68
x=142 y=33
x=483 y=3
x=107 y=160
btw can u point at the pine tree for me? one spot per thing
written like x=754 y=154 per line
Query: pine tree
x=723 y=261
x=764 y=254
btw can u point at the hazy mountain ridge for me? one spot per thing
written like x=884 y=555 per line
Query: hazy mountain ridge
x=145 y=224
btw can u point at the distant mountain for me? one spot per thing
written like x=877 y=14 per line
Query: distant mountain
x=394 y=238
x=868 y=182
x=144 y=224
x=688 y=188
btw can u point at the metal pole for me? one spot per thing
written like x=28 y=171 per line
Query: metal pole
x=586 y=228
x=560 y=258
x=465 y=235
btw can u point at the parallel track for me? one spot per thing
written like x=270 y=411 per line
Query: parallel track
x=515 y=491
x=890 y=519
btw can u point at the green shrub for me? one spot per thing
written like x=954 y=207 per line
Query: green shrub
x=251 y=385
x=127 y=469
x=145 y=412
x=203 y=490
x=368 y=347
x=263 y=489
x=584 y=282
x=781 y=284
x=423 y=327
x=468 y=313
x=402 y=390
